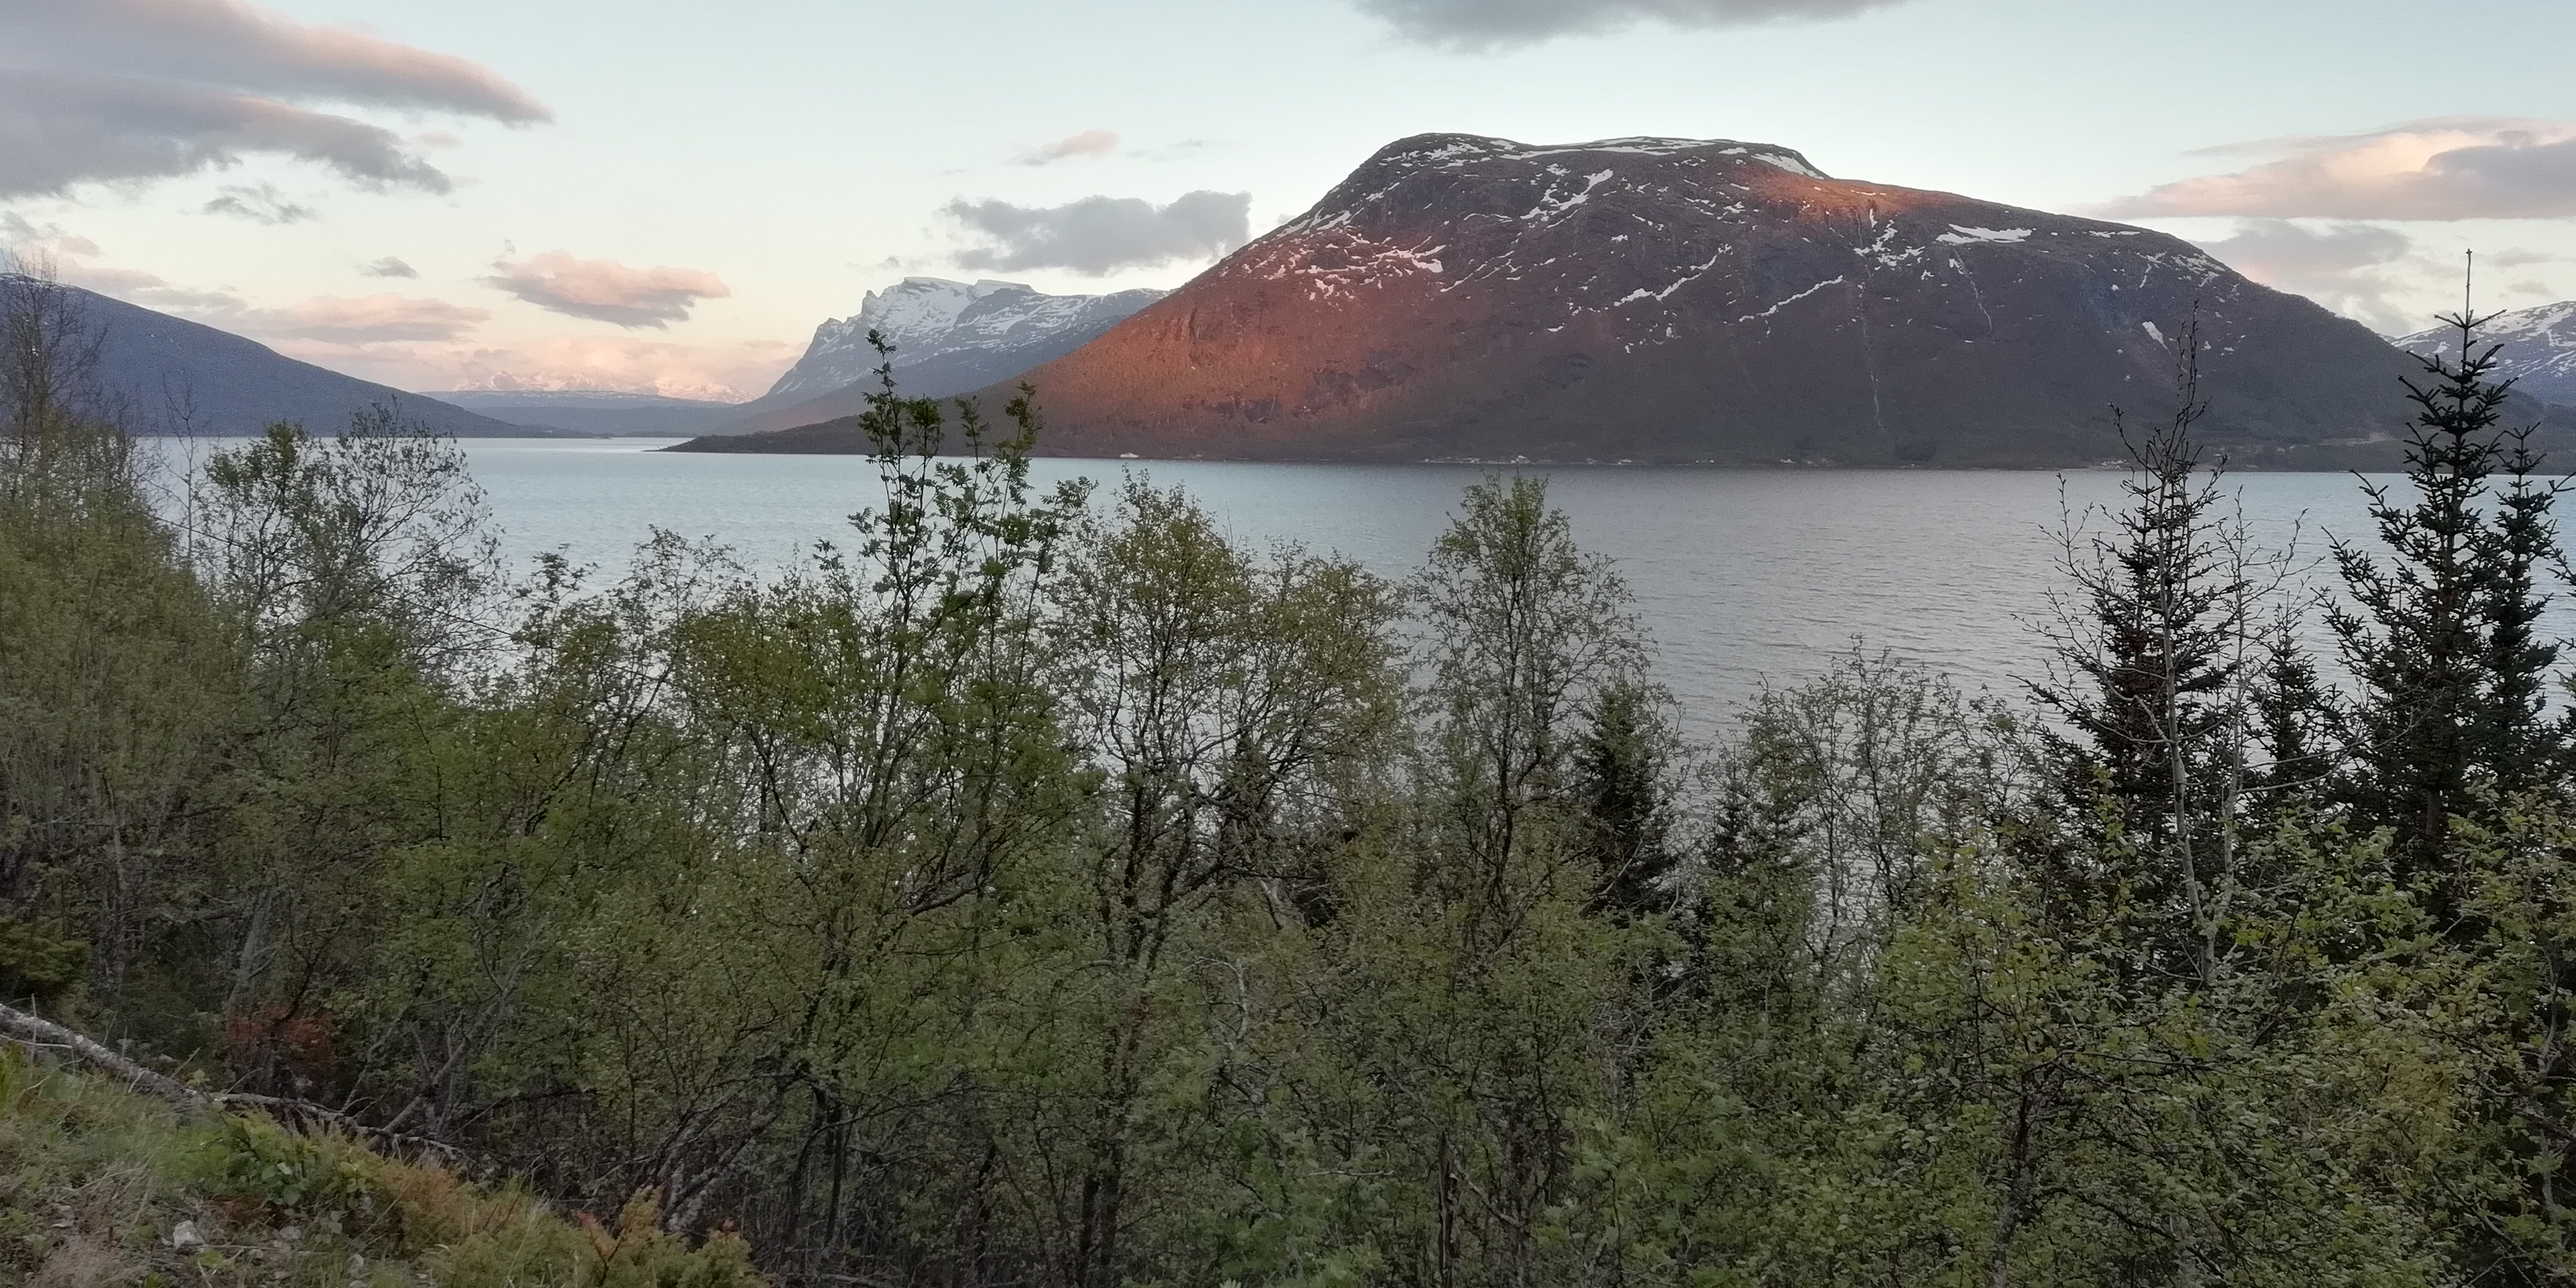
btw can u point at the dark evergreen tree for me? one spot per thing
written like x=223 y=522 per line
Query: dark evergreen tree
x=2148 y=684
x=2441 y=633
x=1620 y=770
x=2293 y=717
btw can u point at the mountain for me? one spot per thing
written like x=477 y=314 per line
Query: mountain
x=173 y=376
x=2539 y=349
x=949 y=337
x=593 y=411
x=1684 y=300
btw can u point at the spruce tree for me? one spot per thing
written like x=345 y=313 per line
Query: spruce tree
x=2441 y=632
x=2292 y=719
x=1621 y=768
x=2148 y=683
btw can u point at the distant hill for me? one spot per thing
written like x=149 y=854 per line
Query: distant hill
x=1682 y=300
x=588 y=411
x=949 y=337
x=173 y=376
x=2539 y=349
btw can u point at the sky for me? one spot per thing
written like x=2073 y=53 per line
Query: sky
x=668 y=195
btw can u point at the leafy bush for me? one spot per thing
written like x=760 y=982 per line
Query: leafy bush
x=289 y=1176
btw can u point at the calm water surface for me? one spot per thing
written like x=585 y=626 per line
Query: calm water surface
x=1739 y=574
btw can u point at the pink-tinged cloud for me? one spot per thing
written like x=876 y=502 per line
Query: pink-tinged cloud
x=123 y=90
x=369 y=319
x=1089 y=143
x=604 y=290
x=240 y=46
x=715 y=372
x=2456 y=168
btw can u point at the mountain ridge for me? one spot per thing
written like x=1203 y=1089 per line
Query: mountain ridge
x=597 y=411
x=2539 y=348
x=173 y=376
x=949 y=337
x=1709 y=301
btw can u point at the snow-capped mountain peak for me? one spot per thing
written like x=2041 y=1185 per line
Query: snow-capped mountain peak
x=2539 y=348
x=915 y=313
x=948 y=337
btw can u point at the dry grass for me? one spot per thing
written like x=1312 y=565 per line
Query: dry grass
x=100 y=1188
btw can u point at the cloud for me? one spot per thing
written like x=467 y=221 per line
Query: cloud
x=1089 y=143
x=70 y=128
x=604 y=290
x=72 y=260
x=2353 y=269
x=133 y=90
x=1099 y=235
x=1494 y=24
x=719 y=372
x=364 y=320
x=2454 y=168
x=2517 y=257
x=332 y=319
x=29 y=240
x=389 y=266
x=263 y=204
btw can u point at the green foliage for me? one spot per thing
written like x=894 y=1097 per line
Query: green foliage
x=289 y=1175
x=38 y=966
x=1035 y=890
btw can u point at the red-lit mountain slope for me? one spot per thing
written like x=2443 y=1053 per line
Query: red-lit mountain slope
x=1686 y=300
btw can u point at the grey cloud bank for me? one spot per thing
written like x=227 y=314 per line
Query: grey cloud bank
x=220 y=43
x=1488 y=24
x=2345 y=267
x=77 y=127
x=123 y=90
x=1100 y=235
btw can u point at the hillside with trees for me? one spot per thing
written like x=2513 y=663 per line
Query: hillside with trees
x=1043 y=888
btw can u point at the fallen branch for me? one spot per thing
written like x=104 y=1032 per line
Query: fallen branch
x=39 y=1032
x=36 y=1031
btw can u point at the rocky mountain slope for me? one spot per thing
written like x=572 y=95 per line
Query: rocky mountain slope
x=949 y=337
x=1688 y=300
x=173 y=376
x=2539 y=349
x=588 y=411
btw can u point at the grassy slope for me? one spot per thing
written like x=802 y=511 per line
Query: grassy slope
x=99 y=1187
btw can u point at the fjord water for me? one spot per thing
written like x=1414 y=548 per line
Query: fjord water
x=1740 y=575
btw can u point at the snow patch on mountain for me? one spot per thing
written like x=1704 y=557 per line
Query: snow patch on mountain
x=930 y=317
x=1961 y=235
x=2538 y=348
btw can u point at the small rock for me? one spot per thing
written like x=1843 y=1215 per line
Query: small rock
x=184 y=1237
